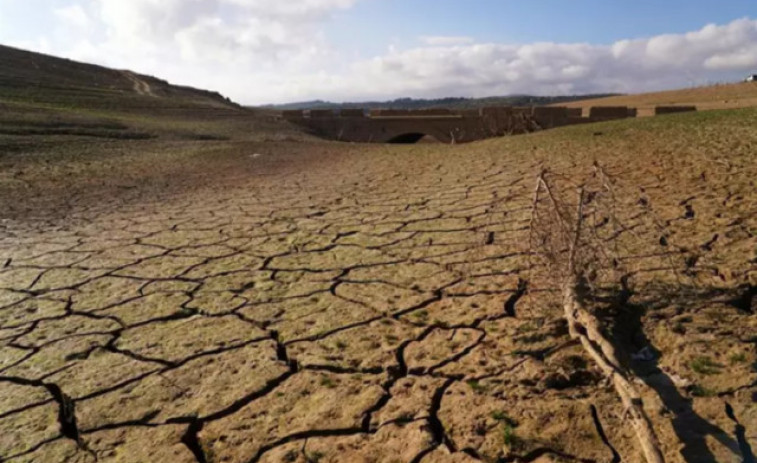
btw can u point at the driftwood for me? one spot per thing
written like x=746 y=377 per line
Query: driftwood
x=571 y=255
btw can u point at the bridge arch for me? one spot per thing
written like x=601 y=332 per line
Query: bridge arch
x=408 y=138
x=401 y=131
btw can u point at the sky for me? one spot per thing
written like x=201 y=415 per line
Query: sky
x=277 y=51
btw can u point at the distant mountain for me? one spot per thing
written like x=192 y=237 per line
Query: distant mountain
x=450 y=103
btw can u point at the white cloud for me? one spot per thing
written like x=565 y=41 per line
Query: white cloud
x=73 y=15
x=260 y=51
x=667 y=61
x=446 y=40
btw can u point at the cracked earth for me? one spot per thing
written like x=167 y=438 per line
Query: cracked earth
x=298 y=303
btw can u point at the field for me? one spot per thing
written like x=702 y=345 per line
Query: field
x=226 y=289
x=723 y=96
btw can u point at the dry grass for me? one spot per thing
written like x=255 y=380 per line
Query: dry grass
x=724 y=96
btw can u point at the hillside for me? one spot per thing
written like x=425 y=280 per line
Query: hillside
x=43 y=96
x=727 y=96
x=42 y=78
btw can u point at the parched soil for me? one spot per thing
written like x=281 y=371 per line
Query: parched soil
x=319 y=302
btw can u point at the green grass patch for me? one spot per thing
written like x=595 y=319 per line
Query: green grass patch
x=327 y=382
x=477 y=387
x=509 y=437
x=705 y=366
x=700 y=391
x=421 y=314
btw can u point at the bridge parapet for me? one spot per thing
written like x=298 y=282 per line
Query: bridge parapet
x=352 y=113
x=470 y=112
x=608 y=113
x=293 y=114
x=321 y=113
x=448 y=126
x=550 y=116
x=413 y=113
x=673 y=109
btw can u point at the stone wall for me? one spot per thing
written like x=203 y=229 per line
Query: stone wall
x=411 y=112
x=470 y=112
x=453 y=126
x=497 y=120
x=432 y=112
x=608 y=113
x=293 y=114
x=389 y=112
x=673 y=109
x=321 y=113
x=352 y=113
x=549 y=117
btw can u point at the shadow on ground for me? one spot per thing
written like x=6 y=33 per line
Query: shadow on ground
x=691 y=428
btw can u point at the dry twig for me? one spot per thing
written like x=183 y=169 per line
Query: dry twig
x=573 y=254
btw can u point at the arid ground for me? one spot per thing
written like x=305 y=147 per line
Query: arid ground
x=234 y=291
x=723 y=96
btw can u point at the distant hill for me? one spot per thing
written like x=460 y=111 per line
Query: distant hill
x=450 y=103
x=38 y=78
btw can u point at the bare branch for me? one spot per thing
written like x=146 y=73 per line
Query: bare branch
x=572 y=252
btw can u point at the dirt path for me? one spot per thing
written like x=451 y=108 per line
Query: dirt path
x=140 y=86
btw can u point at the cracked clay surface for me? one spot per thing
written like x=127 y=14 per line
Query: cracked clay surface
x=368 y=304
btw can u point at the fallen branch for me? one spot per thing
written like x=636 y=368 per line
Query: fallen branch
x=585 y=328
x=571 y=256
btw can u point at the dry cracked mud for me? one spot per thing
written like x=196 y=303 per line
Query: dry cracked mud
x=325 y=302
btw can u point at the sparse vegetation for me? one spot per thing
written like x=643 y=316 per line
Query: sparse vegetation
x=698 y=390
x=509 y=437
x=476 y=387
x=421 y=314
x=501 y=416
x=705 y=366
x=327 y=382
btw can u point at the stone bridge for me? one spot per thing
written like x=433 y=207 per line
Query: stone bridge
x=404 y=126
x=446 y=126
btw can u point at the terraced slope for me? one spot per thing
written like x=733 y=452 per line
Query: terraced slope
x=30 y=76
x=290 y=302
x=42 y=95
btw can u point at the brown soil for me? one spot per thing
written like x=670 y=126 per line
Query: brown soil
x=298 y=302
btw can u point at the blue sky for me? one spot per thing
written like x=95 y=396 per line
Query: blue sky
x=592 y=21
x=261 y=51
